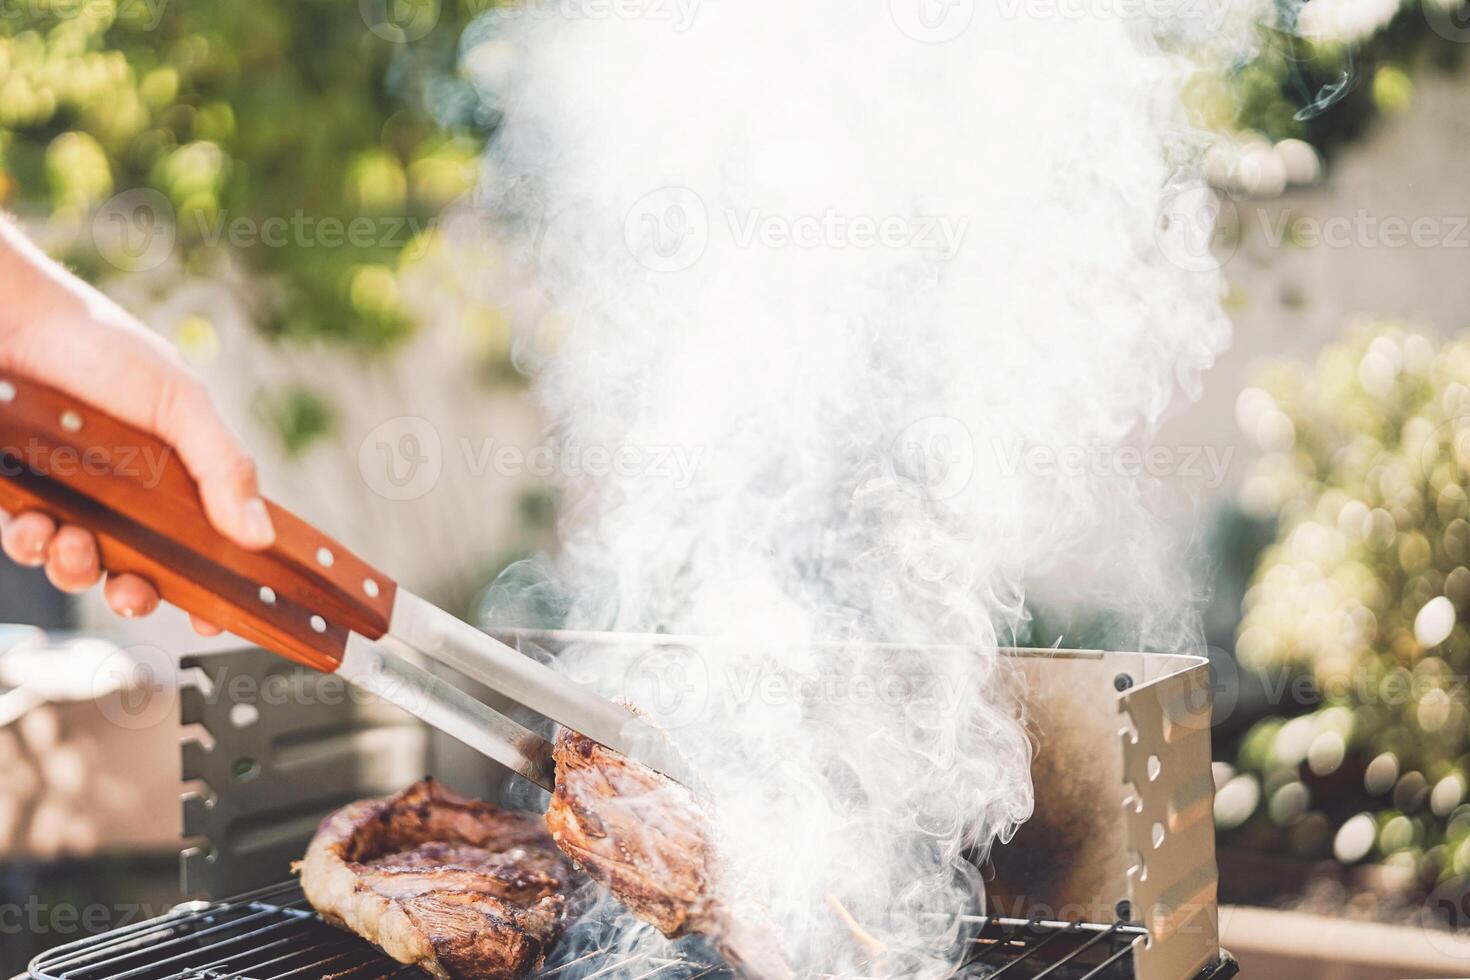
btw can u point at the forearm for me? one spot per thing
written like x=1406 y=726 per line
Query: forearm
x=35 y=287
x=38 y=292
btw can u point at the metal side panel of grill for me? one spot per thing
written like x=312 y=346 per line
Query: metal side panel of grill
x=275 y=748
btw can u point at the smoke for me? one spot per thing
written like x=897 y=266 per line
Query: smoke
x=902 y=279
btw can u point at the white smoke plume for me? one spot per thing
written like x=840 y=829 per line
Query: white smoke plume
x=871 y=265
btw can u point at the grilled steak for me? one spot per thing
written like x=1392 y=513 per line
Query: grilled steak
x=460 y=888
x=651 y=842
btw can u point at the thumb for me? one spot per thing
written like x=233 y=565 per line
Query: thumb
x=185 y=418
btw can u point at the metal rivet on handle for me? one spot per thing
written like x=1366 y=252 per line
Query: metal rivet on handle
x=7 y=392
x=324 y=557
x=371 y=588
x=318 y=624
x=71 y=421
x=267 y=595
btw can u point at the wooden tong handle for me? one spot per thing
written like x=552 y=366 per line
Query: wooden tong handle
x=300 y=597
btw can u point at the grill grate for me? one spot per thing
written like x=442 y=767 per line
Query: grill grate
x=273 y=935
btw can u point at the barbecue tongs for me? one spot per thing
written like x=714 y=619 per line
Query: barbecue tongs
x=306 y=598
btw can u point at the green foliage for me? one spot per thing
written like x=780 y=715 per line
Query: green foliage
x=298 y=416
x=273 y=128
x=1329 y=92
x=1365 y=592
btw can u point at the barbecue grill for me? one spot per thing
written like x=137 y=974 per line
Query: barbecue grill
x=1114 y=878
x=273 y=935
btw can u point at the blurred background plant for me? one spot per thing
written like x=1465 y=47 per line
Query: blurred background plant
x=1355 y=619
x=243 y=113
x=1319 y=77
x=271 y=185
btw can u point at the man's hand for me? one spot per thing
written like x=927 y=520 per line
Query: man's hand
x=58 y=330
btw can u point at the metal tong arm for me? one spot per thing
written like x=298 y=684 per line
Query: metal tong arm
x=306 y=597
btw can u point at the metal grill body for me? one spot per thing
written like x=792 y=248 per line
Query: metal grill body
x=274 y=935
x=1082 y=852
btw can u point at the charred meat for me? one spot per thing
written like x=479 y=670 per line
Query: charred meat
x=651 y=842
x=457 y=887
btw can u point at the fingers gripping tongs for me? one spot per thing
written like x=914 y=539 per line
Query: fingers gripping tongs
x=306 y=597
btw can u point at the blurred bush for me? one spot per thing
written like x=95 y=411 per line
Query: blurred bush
x=1356 y=618
x=1323 y=71
x=314 y=139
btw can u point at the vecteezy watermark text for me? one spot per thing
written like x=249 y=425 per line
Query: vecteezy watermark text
x=400 y=21
x=37 y=918
x=832 y=229
x=940 y=454
x=678 y=13
x=146 y=14
x=138 y=230
x=1364 y=229
x=405 y=457
x=669 y=229
x=685 y=685
x=141 y=464
x=1394 y=689
x=1200 y=229
x=302 y=230
x=406 y=21
x=1207 y=464
x=1208 y=12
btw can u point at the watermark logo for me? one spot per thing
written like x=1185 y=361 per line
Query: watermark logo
x=1450 y=19
x=1447 y=444
x=667 y=230
x=1187 y=702
x=938 y=454
x=1197 y=230
x=137 y=687
x=932 y=21
x=672 y=684
x=135 y=230
x=1445 y=917
x=402 y=459
x=400 y=21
